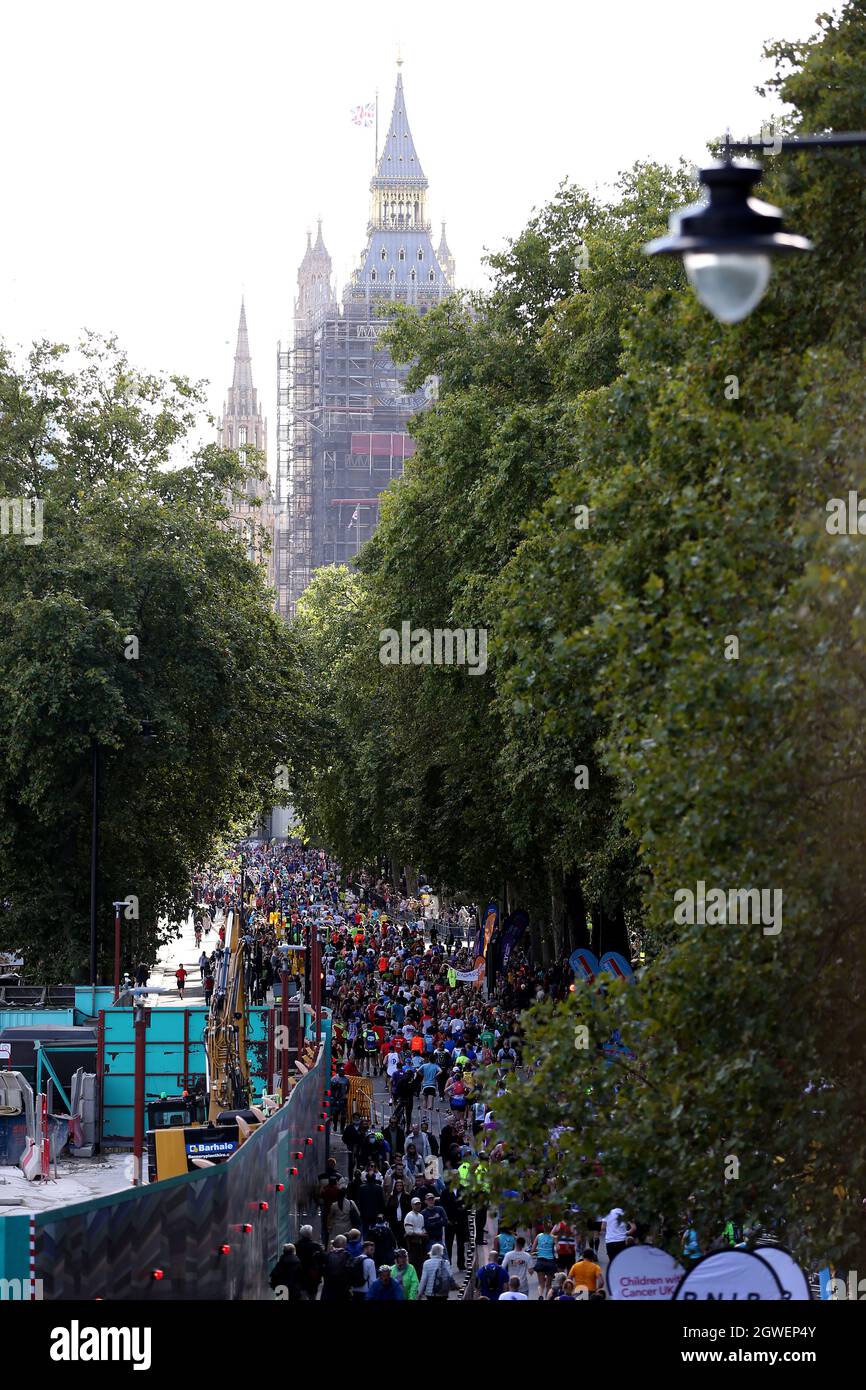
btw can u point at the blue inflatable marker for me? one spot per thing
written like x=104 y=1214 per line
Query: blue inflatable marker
x=612 y=963
x=584 y=964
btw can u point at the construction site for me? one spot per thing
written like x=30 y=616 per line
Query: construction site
x=156 y=1148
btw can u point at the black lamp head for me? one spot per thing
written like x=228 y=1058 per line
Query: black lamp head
x=726 y=242
x=730 y=221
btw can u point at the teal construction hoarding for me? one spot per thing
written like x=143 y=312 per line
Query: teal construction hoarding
x=211 y=1234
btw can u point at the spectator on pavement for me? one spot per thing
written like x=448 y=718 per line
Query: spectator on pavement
x=437 y=1279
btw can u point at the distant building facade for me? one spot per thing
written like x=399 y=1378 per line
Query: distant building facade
x=343 y=406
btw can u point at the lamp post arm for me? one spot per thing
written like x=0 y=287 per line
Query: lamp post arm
x=835 y=140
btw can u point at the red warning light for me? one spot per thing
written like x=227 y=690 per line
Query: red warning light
x=263 y=1206
x=156 y=1274
x=224 y=1249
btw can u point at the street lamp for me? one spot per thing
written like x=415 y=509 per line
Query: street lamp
x=727 y=240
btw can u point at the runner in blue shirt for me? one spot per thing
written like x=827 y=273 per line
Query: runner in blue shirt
x=429 y=1073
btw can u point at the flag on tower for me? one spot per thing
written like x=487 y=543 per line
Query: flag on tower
x=363 y=115
x=356 y=516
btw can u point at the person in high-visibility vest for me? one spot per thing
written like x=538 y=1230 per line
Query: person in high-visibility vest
x=482 y=1183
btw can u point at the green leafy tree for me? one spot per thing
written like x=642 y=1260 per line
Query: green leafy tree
x=137 y=606
x=708 y=507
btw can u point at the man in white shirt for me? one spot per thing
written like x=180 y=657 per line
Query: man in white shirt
x=512 y=1293
x=517 y=1264
x=416 y=1239
x=616 y=1231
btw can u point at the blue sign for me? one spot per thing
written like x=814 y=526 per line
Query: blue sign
x=612 y=963
x=584 y=964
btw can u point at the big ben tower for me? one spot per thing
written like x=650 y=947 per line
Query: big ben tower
x=343 y=404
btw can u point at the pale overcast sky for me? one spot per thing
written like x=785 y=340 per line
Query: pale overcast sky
x=161 y=158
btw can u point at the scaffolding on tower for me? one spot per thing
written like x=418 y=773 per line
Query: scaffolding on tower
x=295 y=399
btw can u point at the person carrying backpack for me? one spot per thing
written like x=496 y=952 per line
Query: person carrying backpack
x=437 y=1279
x=491 y=1280
x=335 y=1284
x=360 y=1271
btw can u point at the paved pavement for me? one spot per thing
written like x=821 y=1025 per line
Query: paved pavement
x=182 y=950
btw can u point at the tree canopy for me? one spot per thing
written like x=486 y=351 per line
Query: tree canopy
x=137 y=606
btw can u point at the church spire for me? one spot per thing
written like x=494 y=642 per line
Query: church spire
x=243 y=377
x=242 y=421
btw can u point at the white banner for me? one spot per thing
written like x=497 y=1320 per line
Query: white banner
x=730 y=1274
x=794 y=1283
x=643 y=1272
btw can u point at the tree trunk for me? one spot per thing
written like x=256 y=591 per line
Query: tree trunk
x=609 y=931
x=578 y=934
x=557 y=911
x=595 y=938
x=536 y=938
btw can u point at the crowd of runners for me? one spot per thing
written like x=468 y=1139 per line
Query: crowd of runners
x=415 y=1027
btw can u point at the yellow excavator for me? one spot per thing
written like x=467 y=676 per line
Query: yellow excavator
x=178 y=1138
x=228 y=1075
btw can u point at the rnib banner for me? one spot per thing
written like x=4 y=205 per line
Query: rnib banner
x=787 y=1271
x=730 y=1274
